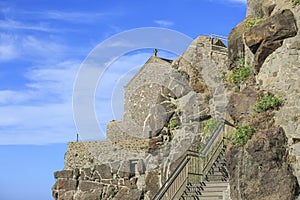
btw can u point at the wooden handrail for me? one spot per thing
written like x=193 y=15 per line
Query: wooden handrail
x=163 y=190
x=211 y=146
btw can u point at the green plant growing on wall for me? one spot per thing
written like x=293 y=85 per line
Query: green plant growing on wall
x=252 y=22
x=295 y=2
x=171 y=106
x=240 y=73
x=207 y=98
x=211 y=125
x=267 y=102
x=241 y=135
x=295 y=118
x=239 y=63
x=172 y=124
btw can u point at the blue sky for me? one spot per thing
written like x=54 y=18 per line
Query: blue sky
x=43 y=43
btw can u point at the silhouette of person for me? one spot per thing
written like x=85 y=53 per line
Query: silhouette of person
x=155 y=52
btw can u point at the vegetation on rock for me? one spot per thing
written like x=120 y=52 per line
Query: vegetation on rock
x=267 y=102
x=172 y=124
x=252 y=22
x=211 y=125
x=295 y=2
x=241 y=135
x=240 y=73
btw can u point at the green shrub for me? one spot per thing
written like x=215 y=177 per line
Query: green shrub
x=241 y=135
x=252 y=22
x=171 y=106
x=239 y=63
x=211 y=125
x=267 y=102
x=173 y=123
x=239 y=75
x=295 y=2
x=207 y=98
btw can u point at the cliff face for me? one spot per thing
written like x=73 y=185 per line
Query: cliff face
x=261 y=169
x=165 y=114
x=267 y=167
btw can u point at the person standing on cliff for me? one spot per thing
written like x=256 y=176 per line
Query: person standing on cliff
x=155 y=52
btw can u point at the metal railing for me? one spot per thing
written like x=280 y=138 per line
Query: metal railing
x=219 y=48
x=193 y=168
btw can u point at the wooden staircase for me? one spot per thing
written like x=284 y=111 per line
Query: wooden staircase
x=213 y=187
x=201 y=175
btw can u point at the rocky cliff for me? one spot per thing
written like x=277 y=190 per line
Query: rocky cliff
x=267 y=166
x=166 y=106
x=255 y=88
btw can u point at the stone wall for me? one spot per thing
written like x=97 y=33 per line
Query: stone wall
x=99 y=182
x=88 y=154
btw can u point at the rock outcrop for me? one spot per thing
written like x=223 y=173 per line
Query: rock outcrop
x=264 y=38
x=267 y=167
x=261 y=170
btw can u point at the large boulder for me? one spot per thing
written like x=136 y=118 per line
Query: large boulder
x=240 y=104
x=260 y=170
x=236 y=47
x=158 y=117
x=264 y=38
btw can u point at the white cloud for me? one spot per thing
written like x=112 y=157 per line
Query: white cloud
x=8 y=47
x=13 y=24
x=32 y=48
x=164 y=23
x=42 y=113
x=42 y=48
x=42 y=124
x=12 y=97
x=7 y=52
x=78 y=17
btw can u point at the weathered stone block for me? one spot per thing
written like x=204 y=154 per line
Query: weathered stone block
x=63 y=174
x=104 y=170
x=241 y=104
x=152 y=182
x=65 y=184
x=158 y=118
x=91 y=195
x=124 y=171
x=63 y=195
x=89 y=185
x=128 y=194
x=86 y=174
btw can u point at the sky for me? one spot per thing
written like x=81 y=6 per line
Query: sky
x=43 y=44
